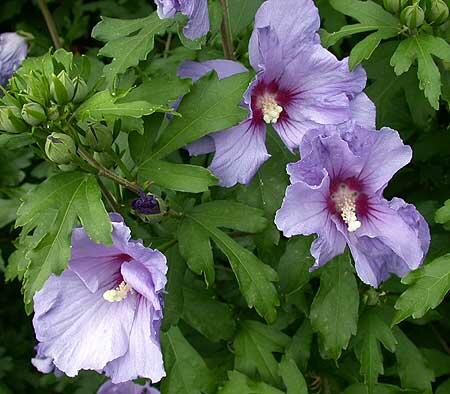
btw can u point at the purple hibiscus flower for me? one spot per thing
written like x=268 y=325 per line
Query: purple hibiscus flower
x=299 y=86
x=336 y=192
x=104 y=311
x=195 y=10
x=13 y=49
x=125 y=388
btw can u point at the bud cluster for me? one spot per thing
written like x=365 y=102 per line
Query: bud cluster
x=42 y=96
x=414 y=14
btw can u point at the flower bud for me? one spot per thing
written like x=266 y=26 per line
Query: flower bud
x=81 y=90
x=394 y=6
x=412 y=16
x=62 y=88
x=60 y=148
x=11 y=121
x=53 y=112
x=98 y=137
x=33 y=114
x=438 y=12
x=148 y=207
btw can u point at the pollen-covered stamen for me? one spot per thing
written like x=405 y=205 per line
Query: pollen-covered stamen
x=270 y=108
x=345 y=201
x=117 y=294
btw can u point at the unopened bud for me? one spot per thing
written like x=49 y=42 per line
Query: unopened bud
x=394 y=6
x=11 y=121
x=53 y=112
x=438 y=12
x=81 y=90
x=412 y=16
x=98 y=137
x=148 y=207
x=60 y=148
x=62 y=88
x=33 y=114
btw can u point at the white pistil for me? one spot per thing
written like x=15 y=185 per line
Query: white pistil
x=117 y=294
x=270 y=108
x=345 y=200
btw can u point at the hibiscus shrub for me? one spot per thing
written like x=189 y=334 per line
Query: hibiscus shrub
x=224 y=196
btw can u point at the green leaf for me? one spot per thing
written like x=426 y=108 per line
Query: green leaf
x=162 y=91
x=372 y=330
x=254 y=346
x=334 y=311
x=292 y=377
x=8 y=210
x=443 y=214
x=444 y=388
x=141 y=144
x=208 y=316
x=15 y=141
x=364 y=49
x=195 y=247
x=102 y=105
x=294 y=265
x=187 y=372
x=427 y=288
x=239 y=383
x=174 y=299
x=254 y=277
x=128 y=41
x=51 y=210
x=423 y=47
x=412 y=369
x=212 y=105
x=371 y=17
x=180 y=177
x=300 y=347
x=360 y=388
x=241 y=14
x=232 y=215
x=438 y=361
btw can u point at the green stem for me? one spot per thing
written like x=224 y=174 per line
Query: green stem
x=120 y=163
x=103 y=171
x=225 y=31
x=50 y=23
x=110 y=199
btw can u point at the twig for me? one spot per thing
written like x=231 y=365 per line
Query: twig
x=103 y=171
x=50 y=23
x=110 y=199
x=167 y=46
x=225 y=31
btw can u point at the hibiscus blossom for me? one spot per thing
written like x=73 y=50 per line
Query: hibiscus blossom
x=125 y=388
x=336 y=192
x=195 y=10
x=104 y=311
x=299 y=85
x=13 y=49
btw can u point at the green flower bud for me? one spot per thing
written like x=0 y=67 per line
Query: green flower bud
x=438 y=12
x=33 y=114
x=60 y=148
x=81 y=90
x=11 y=121
x=394 y=6
x=62 y=88
x=98 y=137
x=412 y=16
x=53 y=112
